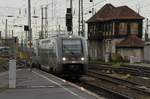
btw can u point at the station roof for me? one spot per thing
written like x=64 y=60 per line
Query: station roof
x=132 y=41
x=109 y=12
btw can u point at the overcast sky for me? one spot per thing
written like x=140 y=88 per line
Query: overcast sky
x=12 y=7
x=142 y=5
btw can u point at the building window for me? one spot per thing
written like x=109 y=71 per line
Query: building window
x=99 y=27
x=134 y=28
x=122 y=28
x=110 y=29
x=113 y=31
x=90 y=29
x=104 y=30
x=94 y=29
x=107 y=30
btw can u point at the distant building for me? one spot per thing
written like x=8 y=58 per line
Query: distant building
x=8 y=41
x=111 y=26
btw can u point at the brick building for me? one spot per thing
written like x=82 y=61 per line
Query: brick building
x=109 y=27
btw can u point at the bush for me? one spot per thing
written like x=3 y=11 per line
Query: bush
x=116 y=57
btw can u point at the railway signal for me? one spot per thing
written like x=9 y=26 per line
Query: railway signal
x=26 y=28
x=69 y=19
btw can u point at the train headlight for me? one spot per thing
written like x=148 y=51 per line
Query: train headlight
x=64 y=58
x=82 y=58
x=70 y=36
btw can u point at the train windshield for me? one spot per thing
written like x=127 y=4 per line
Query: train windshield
x=73 y=46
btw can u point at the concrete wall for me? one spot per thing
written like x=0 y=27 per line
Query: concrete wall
x=95 y=50
x=126 y=53
x=147 y=53
x=114 y=42
x=98 y=49
x=110 y=47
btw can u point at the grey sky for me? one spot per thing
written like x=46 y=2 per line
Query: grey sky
x=144 y=5
x=11 y=7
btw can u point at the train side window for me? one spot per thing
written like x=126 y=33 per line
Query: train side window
x=54 y=48
x=50 y=50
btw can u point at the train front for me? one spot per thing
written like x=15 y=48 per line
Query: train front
x=74 y=56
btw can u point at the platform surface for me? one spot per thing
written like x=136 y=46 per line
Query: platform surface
x=40 y=85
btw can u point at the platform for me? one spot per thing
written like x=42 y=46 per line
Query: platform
x=40 y=85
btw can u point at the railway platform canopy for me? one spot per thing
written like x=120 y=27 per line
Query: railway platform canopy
x=40 y=85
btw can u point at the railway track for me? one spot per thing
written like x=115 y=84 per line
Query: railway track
x=114 y=88
x=142 y=69
x=120 y=87
x=3 y=67
x=133 y=70
x=105 y=92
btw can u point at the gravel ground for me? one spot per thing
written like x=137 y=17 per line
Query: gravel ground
x=3 y=64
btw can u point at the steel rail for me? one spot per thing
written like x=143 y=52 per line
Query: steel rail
x=132 y=85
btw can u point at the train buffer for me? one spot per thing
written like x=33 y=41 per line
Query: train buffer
x=40 y=85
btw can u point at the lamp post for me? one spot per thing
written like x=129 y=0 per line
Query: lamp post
x=81 y=19
x=29 y=20
x=30 y=31
x=36 y=23
x=6 y=29
x=12 y=61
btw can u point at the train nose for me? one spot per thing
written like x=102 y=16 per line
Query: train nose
x=74 y=68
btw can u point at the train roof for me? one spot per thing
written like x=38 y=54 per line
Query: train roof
x=64 y=36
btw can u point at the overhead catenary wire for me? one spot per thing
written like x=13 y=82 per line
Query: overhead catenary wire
x=37 y=5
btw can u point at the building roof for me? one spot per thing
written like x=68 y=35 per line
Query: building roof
x=109 y=12
x=132 y=41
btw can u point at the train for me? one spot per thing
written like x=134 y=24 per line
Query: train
x=65 y=55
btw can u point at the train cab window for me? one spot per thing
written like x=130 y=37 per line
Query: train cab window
x=73 y=46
